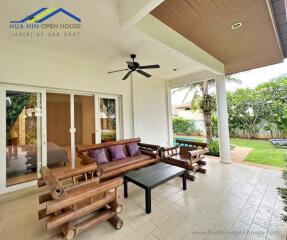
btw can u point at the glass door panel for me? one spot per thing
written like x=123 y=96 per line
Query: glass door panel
x=58 y=131
x=23 y=136
x=84 y=112
x=108 y=119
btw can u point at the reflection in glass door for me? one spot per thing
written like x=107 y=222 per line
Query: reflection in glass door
x=84 y=112
x=108 y=119
x=23 y=136
x=58 y=131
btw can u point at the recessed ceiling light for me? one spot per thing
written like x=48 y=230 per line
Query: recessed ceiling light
x=236 y=25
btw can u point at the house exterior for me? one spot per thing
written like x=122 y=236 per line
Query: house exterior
x=69 y=48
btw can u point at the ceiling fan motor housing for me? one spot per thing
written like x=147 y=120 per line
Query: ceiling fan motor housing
x=133 y=65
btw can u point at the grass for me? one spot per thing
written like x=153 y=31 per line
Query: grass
x=263 y=152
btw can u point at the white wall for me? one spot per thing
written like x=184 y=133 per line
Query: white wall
x=27 y=65
x=150 y=108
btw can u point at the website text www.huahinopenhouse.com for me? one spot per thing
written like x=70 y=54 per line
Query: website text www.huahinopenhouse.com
x=235 y=233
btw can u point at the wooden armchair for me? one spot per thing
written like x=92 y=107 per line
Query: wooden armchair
x=188 y=155
x=76 y=201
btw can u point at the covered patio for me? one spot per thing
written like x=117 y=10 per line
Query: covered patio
x=192 y=41
x=227 y=203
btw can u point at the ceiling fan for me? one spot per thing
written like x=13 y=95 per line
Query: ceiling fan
x=135 y=66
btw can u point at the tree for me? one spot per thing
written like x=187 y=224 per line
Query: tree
x=266 y=105
x=204 y=101
x=207 y=105
x=247 y=110
x=275 y=93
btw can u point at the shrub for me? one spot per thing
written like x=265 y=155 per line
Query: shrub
x=213 y=147
x=283 y=192
x=181 y=125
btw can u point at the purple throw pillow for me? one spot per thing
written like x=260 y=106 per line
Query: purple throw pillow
x=117 y=152
x=99 y=155
x=133 y=149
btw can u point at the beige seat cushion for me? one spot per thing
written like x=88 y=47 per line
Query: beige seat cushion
x=122 y=163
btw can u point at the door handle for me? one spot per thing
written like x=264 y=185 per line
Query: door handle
x=44 y=139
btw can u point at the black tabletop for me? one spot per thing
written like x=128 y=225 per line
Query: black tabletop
x=154 y=175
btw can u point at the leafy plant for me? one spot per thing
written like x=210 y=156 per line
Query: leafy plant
x=15 y=105
x=214 y=124
x=213 y=147
x=181 y=125
x=283 y=192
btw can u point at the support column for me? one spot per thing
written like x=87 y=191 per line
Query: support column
x=223 y=129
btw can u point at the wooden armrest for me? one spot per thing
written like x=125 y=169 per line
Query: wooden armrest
x=55 y=187
x=149 y=146
x=86 y=159
x=150 y=153
x=197 y=152
x=82 y=193
x=74 y=172
x=78 y=171
x=169 y=148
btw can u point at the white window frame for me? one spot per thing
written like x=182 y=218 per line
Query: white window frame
x=98 y=119
x=3 y=182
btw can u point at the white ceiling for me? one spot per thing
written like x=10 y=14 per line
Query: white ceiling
x=101 y=39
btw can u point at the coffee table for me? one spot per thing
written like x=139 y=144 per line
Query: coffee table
x=151 y=177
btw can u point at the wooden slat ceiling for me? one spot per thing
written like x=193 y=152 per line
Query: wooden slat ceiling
x=280 y=15
x=208 y=23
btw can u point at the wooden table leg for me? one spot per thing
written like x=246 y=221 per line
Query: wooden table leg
x=125 y=188
x=184 y=181
x=148 y=200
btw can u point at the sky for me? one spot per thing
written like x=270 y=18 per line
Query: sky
x=250 y=79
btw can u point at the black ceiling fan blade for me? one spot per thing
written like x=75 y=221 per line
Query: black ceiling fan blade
x=119 y=70
x=150 y=66
x=127 y=75
x=144 y=73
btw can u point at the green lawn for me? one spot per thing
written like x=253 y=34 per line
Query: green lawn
x=263 y=152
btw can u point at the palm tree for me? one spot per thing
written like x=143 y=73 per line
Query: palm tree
x=203 y=100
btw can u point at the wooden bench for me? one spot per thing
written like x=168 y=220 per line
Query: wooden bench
x=188 y=155
x=76 y=201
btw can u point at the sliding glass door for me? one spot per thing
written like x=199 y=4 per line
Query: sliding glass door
x=24 y=136
x=84 y=122
x=42 y=128
x=58 y=131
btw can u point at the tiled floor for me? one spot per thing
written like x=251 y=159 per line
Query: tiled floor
x=226 y=203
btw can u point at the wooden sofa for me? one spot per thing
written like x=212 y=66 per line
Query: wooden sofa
x=76 y=201
x=186 y=154
x=149 y=155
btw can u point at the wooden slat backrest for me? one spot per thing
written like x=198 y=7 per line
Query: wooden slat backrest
x=108 y=144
